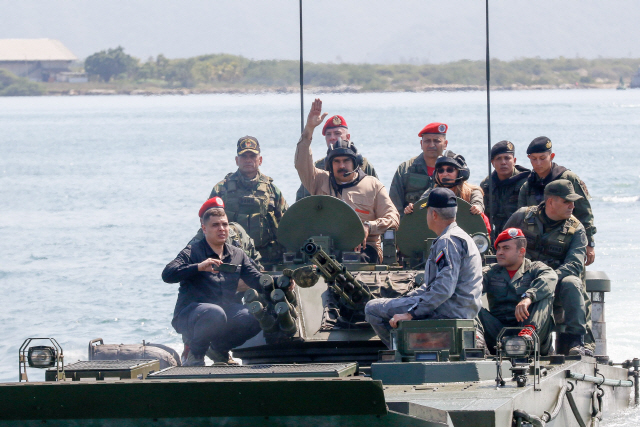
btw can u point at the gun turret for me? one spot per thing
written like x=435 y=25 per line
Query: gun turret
x=350 y=290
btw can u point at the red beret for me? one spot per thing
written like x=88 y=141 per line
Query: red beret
x=334 y=122
x=214 y=202
x=508 y=234
x=437 y=128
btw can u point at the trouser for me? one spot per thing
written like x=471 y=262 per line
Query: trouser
x=379 y=311
x=540 y=316
x=571 y=295
x=222 y=327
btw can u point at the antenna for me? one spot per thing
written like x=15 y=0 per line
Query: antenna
x=302 y=75
x=488 y=73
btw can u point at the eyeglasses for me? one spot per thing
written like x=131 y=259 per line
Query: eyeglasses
x=449 y=169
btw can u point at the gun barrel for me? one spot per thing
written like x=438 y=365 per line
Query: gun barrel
x=351 y=290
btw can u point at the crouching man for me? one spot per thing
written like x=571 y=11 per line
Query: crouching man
x=208 y=271
x=453 y=275
x=519 y=291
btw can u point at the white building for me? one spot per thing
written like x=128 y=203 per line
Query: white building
x=37 y=59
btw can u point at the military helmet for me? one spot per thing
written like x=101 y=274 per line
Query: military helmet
x=343 y=148
x=458 y=162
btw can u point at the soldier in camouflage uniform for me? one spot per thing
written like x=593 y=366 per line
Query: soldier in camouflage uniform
x=415 y=176
x=507 y=179
x=557 y=238
x=335 y=128
x=253 y=201
x=519 y=291
x=544 y=172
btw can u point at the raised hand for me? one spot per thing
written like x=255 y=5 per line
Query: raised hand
x=316 y=116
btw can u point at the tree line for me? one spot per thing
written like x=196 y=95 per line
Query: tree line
x=232 y=70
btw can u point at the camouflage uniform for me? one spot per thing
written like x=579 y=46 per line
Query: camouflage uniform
x=535 y=280
x=239 y=238
x=562 y=245
x=366 y=167
x=410 y=181
x=257 y=205
x=532 y=194
x=505 y=196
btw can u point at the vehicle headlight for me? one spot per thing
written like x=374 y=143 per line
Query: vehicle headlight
x=42 y=357
x=481 y=241
x=517 y=346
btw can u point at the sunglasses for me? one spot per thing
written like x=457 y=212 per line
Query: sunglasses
x=449 y=169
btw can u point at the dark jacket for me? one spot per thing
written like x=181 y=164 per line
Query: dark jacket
x=206 y=287
x=532 y=194
x=505 y=196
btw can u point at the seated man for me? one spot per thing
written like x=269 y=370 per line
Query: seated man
x=519 y=291
x=335 y=128
x=344 y=179
x=206 y=313
x=453 y=275
x=557 y=238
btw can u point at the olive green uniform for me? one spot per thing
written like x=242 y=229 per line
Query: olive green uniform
x=534 y=279
x=532 y=194
x=257 y=205
x=562 y=245
x=410 y=181
x=239 y=238
x=320 y=164
x=505 y=196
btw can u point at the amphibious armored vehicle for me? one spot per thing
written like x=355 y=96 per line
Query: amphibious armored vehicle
x=317 y=362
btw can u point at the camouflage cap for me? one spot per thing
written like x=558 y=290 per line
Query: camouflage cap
x=248 y=143
x=561 y=188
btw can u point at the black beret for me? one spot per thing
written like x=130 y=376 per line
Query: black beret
x=441 y=197
x=541 y=144
x=502 y=147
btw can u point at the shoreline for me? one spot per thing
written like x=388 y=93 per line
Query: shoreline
x=156 y=91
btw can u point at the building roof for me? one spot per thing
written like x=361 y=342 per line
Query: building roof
x=34 y=50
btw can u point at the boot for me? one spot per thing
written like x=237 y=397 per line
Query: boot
x=193 y=360
x=574 y=345
x=219 y=357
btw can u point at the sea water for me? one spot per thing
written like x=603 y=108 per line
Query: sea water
x=98 y=194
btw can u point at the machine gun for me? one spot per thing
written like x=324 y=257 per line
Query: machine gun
x=350 y=290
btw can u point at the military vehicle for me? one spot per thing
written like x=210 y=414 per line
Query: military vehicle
x=317 y=362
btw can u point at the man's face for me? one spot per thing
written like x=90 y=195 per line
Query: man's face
x=333 y=134
x=433 y=145
x=340 y=166
x=541 y=162
x=248 y=163
x=216 y=229
x=504 y=164
x=558 y=208
x=508 y=254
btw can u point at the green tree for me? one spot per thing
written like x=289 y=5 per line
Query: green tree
x=109 y=63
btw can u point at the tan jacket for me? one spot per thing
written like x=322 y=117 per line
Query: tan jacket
x=369 y=198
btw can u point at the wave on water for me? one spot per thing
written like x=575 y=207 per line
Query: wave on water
x=621 y=199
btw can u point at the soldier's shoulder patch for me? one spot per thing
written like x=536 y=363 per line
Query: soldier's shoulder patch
x=441 y=259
